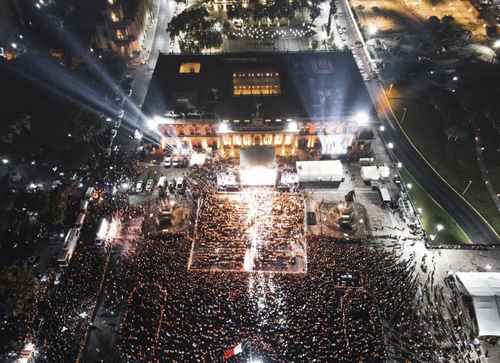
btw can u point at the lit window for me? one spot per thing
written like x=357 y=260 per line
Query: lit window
x=268 y=139
x=190 y=68
x=120 y=35
x=114 y=17
x=256 y=84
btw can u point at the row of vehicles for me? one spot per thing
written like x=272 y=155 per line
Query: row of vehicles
x=175 y=161
x=148 y=185
x=142 y=186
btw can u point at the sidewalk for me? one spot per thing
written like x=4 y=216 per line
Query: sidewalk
x=158 y=41
x=484 y=172
x=147 y=36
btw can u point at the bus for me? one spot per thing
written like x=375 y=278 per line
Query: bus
x=69 y=247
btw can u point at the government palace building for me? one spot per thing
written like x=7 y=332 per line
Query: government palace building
x=311 y=101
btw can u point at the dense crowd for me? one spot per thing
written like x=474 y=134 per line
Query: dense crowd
x=292 y=317
x=67 y=312
x=355 y=303
x=257 y=230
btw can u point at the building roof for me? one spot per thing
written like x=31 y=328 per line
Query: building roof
x=320 y=171
x=484 y=288
x=312 y=85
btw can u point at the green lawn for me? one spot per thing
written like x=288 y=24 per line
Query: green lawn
x=454 y=160
x=433 y=214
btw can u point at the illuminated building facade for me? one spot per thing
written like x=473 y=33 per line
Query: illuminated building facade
x=315 y=102
x=123 y=27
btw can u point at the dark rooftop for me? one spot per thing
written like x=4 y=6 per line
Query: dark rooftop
x=312 y=85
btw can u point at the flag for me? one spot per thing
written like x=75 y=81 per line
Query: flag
x=228 y=354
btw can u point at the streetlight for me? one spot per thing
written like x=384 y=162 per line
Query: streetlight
x=5 y=161
x=405 y=110
x=137 y=135
x=223 y=128
x=292 y=127
x=381 y=128
x=400 y=165
x=152 y=123
x=362 y=118
x=409 y=185
x=390 y=145
x=439 y=227
x=14 y=45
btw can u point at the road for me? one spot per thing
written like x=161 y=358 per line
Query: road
x=143 y=73
x=474 y=225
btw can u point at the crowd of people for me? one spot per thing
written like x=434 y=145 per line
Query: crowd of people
x=67 y=312
x=254 y=230
x=354 y=303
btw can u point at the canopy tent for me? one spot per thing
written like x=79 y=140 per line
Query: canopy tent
x=370 y=173
x=197 y=159
x=384 y=172
x=320 y=171
x=484 y=288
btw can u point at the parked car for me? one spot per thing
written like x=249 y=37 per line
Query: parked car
x=138 y=187
x=149 y=185
x=167 y=162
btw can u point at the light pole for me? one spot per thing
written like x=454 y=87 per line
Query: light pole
x=405 y=110
x=467 y=187
x=390 y=89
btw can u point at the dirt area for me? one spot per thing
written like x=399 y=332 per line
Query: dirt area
x=386 y=16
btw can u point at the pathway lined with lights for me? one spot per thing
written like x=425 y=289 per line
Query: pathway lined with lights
x=495 y=197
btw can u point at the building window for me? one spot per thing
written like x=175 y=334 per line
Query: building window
x=278 y=139
x=247 y=140
x=189 y=68
x=237 y=140
x=114 y=17
x=120 y=35
x=256 y=84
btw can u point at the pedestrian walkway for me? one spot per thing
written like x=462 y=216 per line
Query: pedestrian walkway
x=484 y=173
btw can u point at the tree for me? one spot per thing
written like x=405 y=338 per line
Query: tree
x=56 y=206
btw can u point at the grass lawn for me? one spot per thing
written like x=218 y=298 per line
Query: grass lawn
x=454 y=160
x=433 y=214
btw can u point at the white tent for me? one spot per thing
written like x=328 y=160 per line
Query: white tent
x=384 y=172
x=370 y=173
x=484 y=288
x=320 y=171
x=197 y=159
